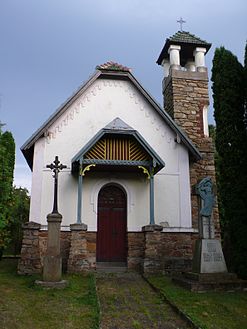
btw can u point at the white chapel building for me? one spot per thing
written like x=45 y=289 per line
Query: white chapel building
x=127 y=194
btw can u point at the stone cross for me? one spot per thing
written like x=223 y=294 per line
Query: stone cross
x=56 y=167
x=181 y=22
x=52 y=269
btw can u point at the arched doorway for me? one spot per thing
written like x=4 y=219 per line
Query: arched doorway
x=112 y=223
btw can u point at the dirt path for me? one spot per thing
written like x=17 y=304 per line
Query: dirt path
x=127 y=301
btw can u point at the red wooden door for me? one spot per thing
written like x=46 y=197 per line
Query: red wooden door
x=111 y=234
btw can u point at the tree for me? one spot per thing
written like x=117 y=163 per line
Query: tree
x=212 y=132
x=245 y=86
x=18 y=215
x=7 y=161
x=231 y=138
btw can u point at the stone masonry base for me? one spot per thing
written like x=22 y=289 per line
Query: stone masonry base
x=147 y=251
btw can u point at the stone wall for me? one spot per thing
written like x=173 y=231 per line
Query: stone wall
x=82 y=254
x=135 y=251
x=30 y=261
x=149 y=252
x=168 y=252
x=185 y=95
x=34 y=245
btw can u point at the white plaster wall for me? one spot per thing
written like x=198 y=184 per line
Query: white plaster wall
x=37 y=181
x=103 y=102
x=67 y=196
x=167 y=199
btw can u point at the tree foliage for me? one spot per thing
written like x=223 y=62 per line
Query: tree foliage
x=7 y=161
x=18 y=215
x=245 y=86
x=230 y=140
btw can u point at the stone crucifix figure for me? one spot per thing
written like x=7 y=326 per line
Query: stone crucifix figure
x=207 y=200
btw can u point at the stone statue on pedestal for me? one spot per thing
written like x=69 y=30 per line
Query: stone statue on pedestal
x=209 y=270
x=208 y=256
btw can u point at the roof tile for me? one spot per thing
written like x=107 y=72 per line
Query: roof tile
x=186 y=37
x=113 y=66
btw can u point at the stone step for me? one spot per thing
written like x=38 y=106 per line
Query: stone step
x=211 y=277
x=111 y=267
x=200 y=286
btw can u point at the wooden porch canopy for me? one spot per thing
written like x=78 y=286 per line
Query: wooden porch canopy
x=117 y=145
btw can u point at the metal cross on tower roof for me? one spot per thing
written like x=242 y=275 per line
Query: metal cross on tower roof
x=181 y=22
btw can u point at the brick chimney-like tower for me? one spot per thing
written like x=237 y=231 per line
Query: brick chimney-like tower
x=186 y=100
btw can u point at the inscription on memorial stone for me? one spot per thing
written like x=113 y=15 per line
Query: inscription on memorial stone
x=211 y=247
x=211 y=255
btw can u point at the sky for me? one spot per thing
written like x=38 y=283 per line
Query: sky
x=48 y=48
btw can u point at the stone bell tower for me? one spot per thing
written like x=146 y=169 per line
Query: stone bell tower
x=186 y=100
x=185 y=83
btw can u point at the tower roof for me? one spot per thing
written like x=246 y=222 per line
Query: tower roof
x=186 y=37
x=188 y=43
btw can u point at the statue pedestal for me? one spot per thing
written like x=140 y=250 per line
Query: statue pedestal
x=208 y=257
x=206 y=228
x=52 y=271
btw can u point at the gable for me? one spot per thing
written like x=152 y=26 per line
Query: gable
x=117 y=148
x=115 y=77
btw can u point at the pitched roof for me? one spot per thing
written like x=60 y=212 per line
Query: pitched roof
x=188 y=43
x=28 y=147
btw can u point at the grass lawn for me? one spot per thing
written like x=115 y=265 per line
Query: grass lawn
x=211 y=310
x=26 y=306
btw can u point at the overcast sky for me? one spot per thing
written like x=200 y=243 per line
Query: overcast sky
x=49 y=47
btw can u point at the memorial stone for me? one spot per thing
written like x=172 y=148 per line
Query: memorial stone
x=208 y=256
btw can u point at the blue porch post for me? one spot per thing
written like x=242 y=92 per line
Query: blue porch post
x=152 y=222
x=79 y=197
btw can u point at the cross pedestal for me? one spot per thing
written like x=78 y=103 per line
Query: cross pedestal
x=52 y=271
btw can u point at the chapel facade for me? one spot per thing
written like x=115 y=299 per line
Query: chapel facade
x=127 y=195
